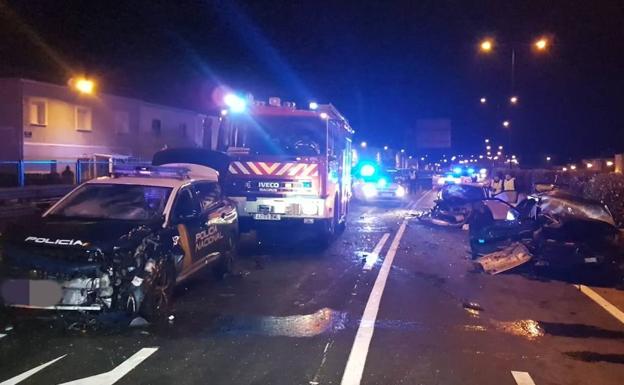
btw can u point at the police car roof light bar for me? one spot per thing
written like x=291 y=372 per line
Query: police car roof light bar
x=150 y=171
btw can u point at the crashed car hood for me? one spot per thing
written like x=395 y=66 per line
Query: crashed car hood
x=55 y=232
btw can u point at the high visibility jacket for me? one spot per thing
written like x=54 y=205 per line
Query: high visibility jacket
x=510 y=185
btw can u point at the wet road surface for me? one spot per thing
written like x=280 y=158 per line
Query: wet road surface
x=391 y=301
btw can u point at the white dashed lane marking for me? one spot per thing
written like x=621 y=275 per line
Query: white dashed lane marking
x=21 y=377
x=608 y=306
x=116 y=374
x=2 y=336
x=522 y=378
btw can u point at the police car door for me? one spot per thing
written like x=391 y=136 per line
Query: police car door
x=214 y=230
x=186 y=217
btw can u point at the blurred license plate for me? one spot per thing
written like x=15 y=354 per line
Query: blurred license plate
x=387 y=194
x=267 y=217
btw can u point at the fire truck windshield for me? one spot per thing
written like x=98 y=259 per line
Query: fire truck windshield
x=277 y=135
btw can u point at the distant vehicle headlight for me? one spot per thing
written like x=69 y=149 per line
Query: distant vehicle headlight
x=309 y=208
x=369 y=190
x=400 y=192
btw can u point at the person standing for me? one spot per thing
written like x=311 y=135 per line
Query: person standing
x=510 y=183
x=496 y=186
x=67 y=176
x=413 y=177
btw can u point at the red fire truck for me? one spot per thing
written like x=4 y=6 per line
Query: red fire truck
x=290 y=167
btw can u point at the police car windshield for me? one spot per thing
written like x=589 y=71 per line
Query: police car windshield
x=281 y=135
x=114 y=201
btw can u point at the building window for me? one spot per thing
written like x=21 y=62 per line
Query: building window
x=156 y=126
x=183 y=130
x=38 y=111
x=83 y=118
x=122 y=122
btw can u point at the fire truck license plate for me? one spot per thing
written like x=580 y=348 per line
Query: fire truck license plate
x=267 y=217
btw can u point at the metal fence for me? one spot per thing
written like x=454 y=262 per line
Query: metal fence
x=24 y=173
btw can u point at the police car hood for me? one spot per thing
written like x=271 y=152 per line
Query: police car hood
x=70 y=233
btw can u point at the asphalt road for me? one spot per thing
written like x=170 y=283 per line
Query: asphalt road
x=419 y=313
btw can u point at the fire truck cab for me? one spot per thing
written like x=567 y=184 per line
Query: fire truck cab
x=290 y=168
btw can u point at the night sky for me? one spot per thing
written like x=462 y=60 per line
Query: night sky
x=383 y=64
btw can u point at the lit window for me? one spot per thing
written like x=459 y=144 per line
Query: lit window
x=122 y=122
x=83 y=118
x=38 y=111
x=156 y=126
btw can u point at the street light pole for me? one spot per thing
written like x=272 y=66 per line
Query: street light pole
x=513 y=70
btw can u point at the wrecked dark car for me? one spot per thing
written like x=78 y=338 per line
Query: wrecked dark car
x=558 y=228
x=122 y=243
x=454 y=204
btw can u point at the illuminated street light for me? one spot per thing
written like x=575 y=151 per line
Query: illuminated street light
x=402 y=150
x=386 y=148
x=324 y=116
x=500 y=147
x=564 y=169
x=363 y=144
x=499 y=153
x=506 y=123
x=224 y=112
x=313 y=105
x=488 y=147
x=480 y=156
x=548 y=159
x=573 y=167
x=609 y=163
x=589 y=165
x=541 y=44
x=487 y=141
x=83 y=85
x=483 y=100
x=513 y=100
x=486 y=45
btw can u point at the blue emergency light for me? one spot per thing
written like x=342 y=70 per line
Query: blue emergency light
x=150 y=171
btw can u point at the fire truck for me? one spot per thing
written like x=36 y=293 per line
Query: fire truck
x=290 y=168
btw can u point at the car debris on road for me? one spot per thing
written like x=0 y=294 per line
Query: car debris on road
x=510 y=257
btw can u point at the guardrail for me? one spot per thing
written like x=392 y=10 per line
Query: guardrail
x=23 y=173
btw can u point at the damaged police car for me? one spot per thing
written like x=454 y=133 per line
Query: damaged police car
x=122 y=243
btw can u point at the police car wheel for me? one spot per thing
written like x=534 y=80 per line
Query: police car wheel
x=159 y=293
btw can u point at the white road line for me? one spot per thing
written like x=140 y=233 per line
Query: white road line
x=116 y=374
x=522 y=378
x=357 y=358
x=610 y=308
x=19 y=378
x=2 y=335
x=421 y=198
x=371 y=258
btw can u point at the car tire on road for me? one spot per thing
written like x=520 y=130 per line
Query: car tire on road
x=158 y=292
x=225 y=265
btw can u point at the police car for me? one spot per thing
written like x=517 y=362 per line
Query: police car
x=372 y=184
x=122 y=243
